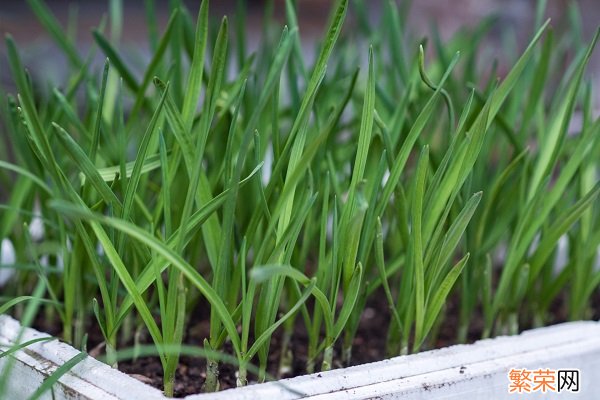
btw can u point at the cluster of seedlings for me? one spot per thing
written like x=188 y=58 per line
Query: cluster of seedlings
x=280 y=195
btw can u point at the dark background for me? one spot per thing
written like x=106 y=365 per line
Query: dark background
x=513 y=24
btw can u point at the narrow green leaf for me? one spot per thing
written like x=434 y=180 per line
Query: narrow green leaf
x=417 y=240
x=126 y=74
x=56 y=375
x=57 y=32
x=559 y=228
x=194 y=82
x=89 y=170
x=13 y=349
x=161 y=248
x=436 y=303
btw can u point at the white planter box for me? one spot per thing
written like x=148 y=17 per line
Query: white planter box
x=477 y=371
x=89 y=379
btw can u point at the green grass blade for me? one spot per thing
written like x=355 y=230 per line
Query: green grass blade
x=98 y=122
x=161 y=248
x=511 y=79
x=298 y=130
x=416 y=129
x=13 y=349
x=559 y=228
x=149 y=272
x=153 y=66
x=56 y=375
x=25 y=173
x=552 y=141
x=350 y=299
x=107 y=174
x=435 y=305
x=417 y=236
x=194 y=83
x=134 y=180
x=20 y=299
x=57 y=32
x=125 y=72
x=87 y=167
x=452 y=238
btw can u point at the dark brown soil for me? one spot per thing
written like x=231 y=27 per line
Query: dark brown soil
x=369 y=344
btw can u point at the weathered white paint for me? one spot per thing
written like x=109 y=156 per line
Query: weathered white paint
x=477 y=371
x=89 y=379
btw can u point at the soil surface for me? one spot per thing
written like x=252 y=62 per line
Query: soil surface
x=369 y=344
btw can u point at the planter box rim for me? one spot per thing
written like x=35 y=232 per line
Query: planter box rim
x=422 y=374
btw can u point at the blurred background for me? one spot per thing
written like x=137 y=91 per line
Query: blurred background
x=512 y=26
